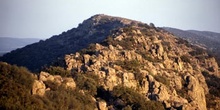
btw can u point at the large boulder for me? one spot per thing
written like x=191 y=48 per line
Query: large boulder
x=212 y=66
x=69 y=83
x=196 y=92
x=38 y=88
x=129 y=80
x=44 y=76
x=102 y=105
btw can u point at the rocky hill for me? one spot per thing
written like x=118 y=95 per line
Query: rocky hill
x=92 y=30
x=135 y=66
x=205 y=39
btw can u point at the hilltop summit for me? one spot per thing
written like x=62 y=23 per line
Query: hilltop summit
x=92 y=30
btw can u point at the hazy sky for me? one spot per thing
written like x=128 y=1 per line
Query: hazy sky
x=44 y=18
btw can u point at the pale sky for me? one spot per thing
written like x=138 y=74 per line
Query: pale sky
x=45 y=18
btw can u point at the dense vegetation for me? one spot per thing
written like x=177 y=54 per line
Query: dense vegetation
x=133 y=100
x=56 y=70
x=15 y=84
x=15 y=93
x=214 y=90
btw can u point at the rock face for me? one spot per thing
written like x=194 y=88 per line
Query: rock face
x=39 y=86
x=196 y=93
x=102 y=105
x=69 y=83
x=150 y=61
x=156 y=63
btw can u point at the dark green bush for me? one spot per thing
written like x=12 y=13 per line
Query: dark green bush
x=90 y=50
x=135 y=100
x=148 y=58
x=15 y=86
x=66 y=99
x=213 y=83
x=146 y=32
x=211 y=102
x=126 y=43
x=88 y=82
x=184 y=93
x=162 y=79
x=214 y=87
x=128 y=30
x=167 y=46
x=185 y=58
x=58 y=71
x=52 y=85
x=197 y=51
x=131 y=65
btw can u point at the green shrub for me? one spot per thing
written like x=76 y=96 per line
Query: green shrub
x=134 y=100
x=148 y=58
x=146 y=32
x=197 y=51
x=15 y=87
x=213 y=83
x=162 y=79
x=139 y=76
x=126 y=43
x=88 y=82
x=184 y=93
x=58 y=71
x=211 y=102
x=167 y=46
x=185 y=58
x=66 y=99
x=129 y=30
x=131 y=65
x=52 y=85
x=90 y=50
x=109 y=41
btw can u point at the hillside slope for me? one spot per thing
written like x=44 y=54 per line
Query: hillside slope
x=92 y=30
x=142 y=67
x=208 y=40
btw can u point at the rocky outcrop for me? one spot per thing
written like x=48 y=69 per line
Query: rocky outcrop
x=102 y=105
x=69 y=83
x=151 y=61
x=157 y=66
x=44 y=76
x=129 y=65
x=39 y=86
x=196 y=93
x=212 y=66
